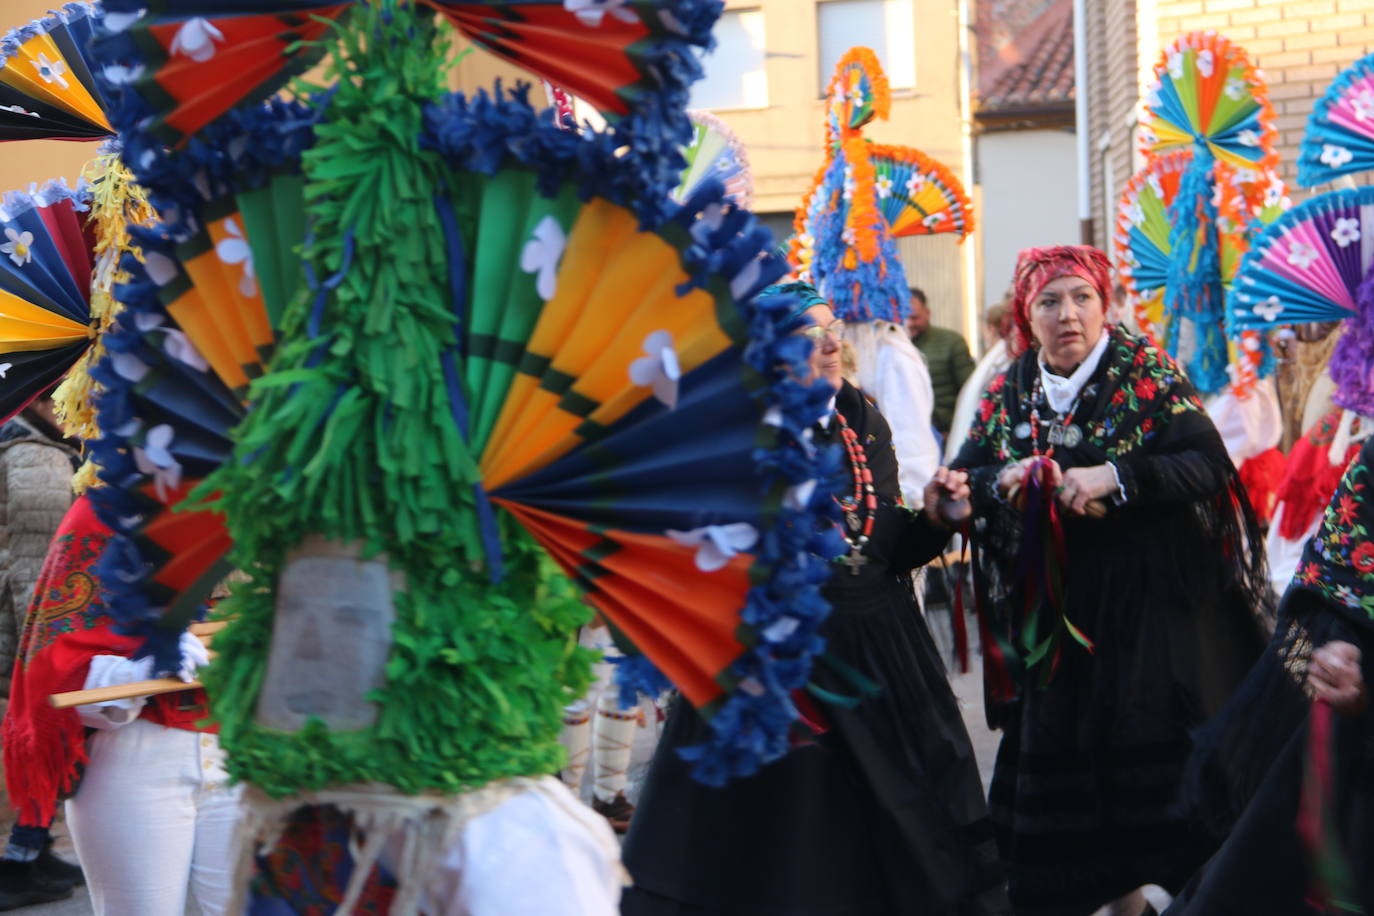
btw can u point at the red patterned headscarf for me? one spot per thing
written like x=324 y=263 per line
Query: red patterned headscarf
x=1037 y=267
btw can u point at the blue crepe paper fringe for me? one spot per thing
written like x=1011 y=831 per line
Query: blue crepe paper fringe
x=1194 y=292
x=752 y=724
x=123 y=572
x=1321 y=131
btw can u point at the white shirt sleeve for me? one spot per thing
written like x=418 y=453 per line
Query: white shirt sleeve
x=111 y=671
x=540 y=852
x=900 y=383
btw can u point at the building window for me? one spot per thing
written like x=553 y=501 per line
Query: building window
x=886 y=26
x=735 y=73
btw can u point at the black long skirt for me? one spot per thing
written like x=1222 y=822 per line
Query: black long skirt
x=884 y=815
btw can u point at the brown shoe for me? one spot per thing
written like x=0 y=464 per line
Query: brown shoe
x=618 y=811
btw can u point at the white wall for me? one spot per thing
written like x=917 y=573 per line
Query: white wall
x=1029 y=196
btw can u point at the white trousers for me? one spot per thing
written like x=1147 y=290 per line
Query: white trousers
x=154 y=815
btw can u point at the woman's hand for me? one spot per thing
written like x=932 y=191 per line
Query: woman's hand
x=1013 y=475
x=947 y=486
x=1335 y=676
x=1082 y=485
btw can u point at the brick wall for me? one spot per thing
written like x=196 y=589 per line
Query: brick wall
x=1300 y=46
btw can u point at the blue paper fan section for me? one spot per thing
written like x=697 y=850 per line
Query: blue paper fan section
x=1340 y=131
x=1307 y=265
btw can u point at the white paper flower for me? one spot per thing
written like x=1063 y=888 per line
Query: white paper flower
x=50 y=71
x=235 y=250
x=883 y=186
x=1269 y=309
x=1273 y=194
x=155 y=457
x=19 y=247
x=798 y=496
x=591 y=12
x=1152 y=99
x=1206 y=63
x=780 y=629
x=915 y=184
x=1235 y=89
x=849 y=183
x=119 y=74
x=19 y=110
x=659 y=368
x=118 y=22
x=1248 y=137
x=196 y=39
x=1301 y=255
x=716 y=544
x=541 y=255
x=160 y=268
x=1347 y=230
x=931 y=220
x=1135 y=213
x=1363 y=104
x=175 y=343
x=1335 y=155
x=1176 y=64
x=1155 y=185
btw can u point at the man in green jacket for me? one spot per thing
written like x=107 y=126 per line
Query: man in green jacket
x=946 y=356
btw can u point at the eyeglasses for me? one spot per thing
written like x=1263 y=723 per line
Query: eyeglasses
x=834 y=329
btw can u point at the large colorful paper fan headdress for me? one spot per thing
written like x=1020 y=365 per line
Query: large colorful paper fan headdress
x=1339 y=139
x=597 y=394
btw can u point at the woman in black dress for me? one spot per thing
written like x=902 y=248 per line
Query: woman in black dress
x=884 y=812
x=1121 y=570
x=1255 y=760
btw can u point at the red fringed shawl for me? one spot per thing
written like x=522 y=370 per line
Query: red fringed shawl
x=64 y=628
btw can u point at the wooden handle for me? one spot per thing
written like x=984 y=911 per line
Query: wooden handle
x=203 y=631
x=120 y=692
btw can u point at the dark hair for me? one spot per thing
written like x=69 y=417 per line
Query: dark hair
x=918 y=293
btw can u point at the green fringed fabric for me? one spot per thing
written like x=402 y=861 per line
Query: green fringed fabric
x=351 y=436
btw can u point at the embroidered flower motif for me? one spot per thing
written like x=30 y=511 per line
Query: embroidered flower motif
x=591 y=13
x=1335 y=155
x=659 y=368
x=1363 y=103
x=196 y=39
x=1347 y=230
x=1363 y=558
x=1309 y=574
x=717 y=544
x=883 y=187
x=1301 y=255
x=1206 y=63
x=1235 y=89
x=541 y=255
x=235 y=250
x=1347 y=512
x=1248 y=137
x=155 y=457
x=1145 y=388
x=19 y=247
x=50 y=71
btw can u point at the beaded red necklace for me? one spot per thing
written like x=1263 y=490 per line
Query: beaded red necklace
x=862 y=508
x=1059 y=429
